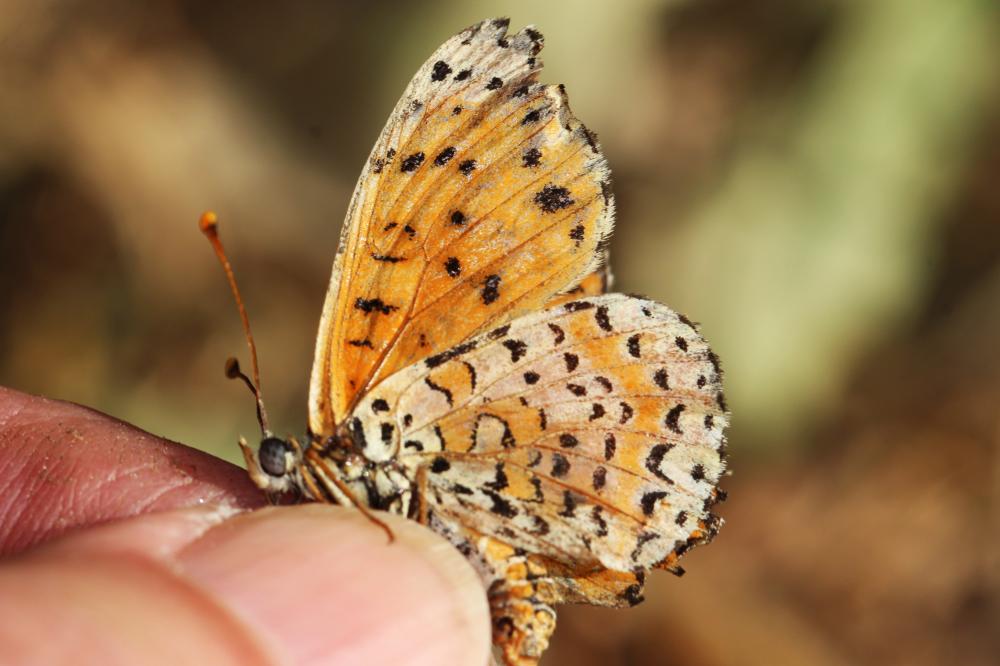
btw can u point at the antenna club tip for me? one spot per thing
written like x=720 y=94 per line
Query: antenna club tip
x=232 y=368
x=208 y=222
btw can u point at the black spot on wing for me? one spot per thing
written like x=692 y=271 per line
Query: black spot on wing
x=491 y=289
x=444 y=156
x=570 y=502
x=568 y=441
x=498 y=332
x=457 y=350
x=379 y=405
x=494 y=83
x=358 y=434
x=598 y=518
x=517 y=349
x=361 y=343
x=532 y=157
x=713 y=358
x=660 y=379
x=649 y=501
x=600 y=477
x=602 y=318
x=532 y=117
x=539 y=496
x=440 y=464
x=610 y=443
x=560 y=465
x=560 y=335
x=531 y=377
x=501 y=506
x=369 y=305
x=606 y=191
x=541 y=526
x=552 y=198
x=671 y=420
x=387 y=258
x=572 y=361
x=411 y=163
x=453 y=267
x=500 y=480
x=655 y=459
x=467 y=167
x=458 y=218
x=440 y=70
x=576 y=306
x=633 y=346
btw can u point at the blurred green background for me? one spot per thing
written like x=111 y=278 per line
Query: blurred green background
x=817 y=183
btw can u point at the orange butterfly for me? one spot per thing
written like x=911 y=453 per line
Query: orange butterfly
x=471 y=374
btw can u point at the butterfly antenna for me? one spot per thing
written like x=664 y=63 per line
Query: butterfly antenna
x=209 y=225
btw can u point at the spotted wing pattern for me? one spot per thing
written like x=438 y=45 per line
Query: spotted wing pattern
x=482 y=199
x=590 y=433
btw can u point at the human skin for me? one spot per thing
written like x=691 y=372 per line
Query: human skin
x=120 y=547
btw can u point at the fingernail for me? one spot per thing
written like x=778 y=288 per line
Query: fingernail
x=321 y=584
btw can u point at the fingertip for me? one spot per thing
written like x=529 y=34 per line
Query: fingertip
x=322 y=584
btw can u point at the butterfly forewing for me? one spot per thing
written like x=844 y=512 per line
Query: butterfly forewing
x=482 y=199
x=588 y=433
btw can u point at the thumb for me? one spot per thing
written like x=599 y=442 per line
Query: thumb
x=299 y=585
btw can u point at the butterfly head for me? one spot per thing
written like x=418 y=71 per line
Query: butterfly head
x=274 y=465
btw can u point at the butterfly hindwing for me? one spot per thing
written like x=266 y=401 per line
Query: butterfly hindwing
x=482 y=199
x=588 y=433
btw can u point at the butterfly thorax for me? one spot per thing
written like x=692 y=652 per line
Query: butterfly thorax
x=340 y=469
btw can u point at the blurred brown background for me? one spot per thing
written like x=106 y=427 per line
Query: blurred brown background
x=816 y=182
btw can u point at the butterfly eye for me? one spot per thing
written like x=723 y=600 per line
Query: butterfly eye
x=272 y=456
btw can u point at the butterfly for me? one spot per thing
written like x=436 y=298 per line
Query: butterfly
x=472 y=374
